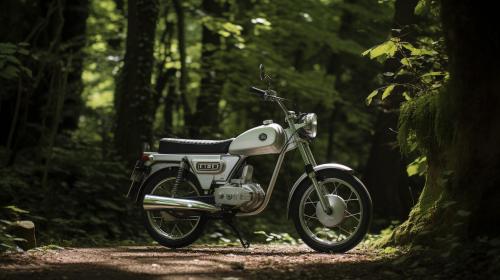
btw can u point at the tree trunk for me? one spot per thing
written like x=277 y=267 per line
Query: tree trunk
x=169 y=103
x=181 y=40
x=460 y=199
x=206 y=119
x=26 y=231
x=73 y=33
x=162 y=74
x=134 y=94
x=385 y=173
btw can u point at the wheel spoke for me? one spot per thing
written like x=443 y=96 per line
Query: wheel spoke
x=190 y=219
x=178 y=229
x=344 y=230
x=334 y=190
x=310 y=217
x=349 y=215
x=173 y=230
x=156 y=217
x=350 y=195
x=309 y=201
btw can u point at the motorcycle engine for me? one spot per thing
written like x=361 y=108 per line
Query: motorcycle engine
x=241 y=193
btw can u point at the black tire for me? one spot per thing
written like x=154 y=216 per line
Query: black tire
x=364 y=223
x=163 y=240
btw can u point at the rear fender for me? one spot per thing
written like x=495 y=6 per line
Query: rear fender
x=335 y=166
x=139 y=186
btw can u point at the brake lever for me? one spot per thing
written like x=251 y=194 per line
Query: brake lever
x=272 y=96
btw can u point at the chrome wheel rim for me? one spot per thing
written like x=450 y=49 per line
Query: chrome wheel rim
x=162 y=221
x=339 y=233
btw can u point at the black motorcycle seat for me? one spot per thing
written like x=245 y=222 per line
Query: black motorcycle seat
x=194 y=146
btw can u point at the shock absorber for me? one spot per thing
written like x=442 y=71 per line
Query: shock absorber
x=180 y=175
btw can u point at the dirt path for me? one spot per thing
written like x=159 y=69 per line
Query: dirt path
x=198 y=262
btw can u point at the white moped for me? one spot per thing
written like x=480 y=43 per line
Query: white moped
x=187 y=182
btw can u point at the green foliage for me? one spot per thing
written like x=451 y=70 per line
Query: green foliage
x=278 y=238
x=8 y=215
x=421 y=68
x=11 y=66
x=417 y=167
x=418 y=81
x=104 y=52
x=387 y=49
x=84 y=200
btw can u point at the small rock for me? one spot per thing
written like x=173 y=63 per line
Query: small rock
x=237 y=265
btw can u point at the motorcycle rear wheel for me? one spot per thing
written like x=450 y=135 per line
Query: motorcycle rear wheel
x=169 y=228
x=346 y=227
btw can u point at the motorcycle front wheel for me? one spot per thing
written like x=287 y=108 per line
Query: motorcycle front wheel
x=346 y=226
x=170 y=228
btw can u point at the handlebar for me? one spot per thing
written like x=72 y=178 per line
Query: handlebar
x=270 y=95
x=258 y=91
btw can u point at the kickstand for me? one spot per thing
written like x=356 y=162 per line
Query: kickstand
x=230 y=223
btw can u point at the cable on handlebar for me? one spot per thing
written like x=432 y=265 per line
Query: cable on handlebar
x=266 y=94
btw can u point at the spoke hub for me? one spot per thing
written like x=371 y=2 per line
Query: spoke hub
x=338 y=207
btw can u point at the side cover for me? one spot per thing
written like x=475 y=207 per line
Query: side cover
x=206 y=168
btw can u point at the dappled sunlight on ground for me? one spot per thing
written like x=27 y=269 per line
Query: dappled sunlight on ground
x=198 y=262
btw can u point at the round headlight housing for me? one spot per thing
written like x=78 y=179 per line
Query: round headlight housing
x=310 y=128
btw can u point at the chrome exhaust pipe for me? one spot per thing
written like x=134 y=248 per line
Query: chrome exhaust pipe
x=154 y=202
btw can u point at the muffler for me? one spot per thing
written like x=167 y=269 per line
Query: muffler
x=154 y=202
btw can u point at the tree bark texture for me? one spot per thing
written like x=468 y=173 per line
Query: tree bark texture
x=206 y=119
x=73 y=34
x=181 y=40
x=461 y=194
x=134 y=94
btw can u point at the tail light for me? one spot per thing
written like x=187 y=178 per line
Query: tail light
x=145 y=157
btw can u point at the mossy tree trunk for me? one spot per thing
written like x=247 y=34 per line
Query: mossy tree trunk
x=134 y=94
x=460 y=199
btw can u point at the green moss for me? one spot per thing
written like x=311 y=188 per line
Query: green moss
x=417 y=123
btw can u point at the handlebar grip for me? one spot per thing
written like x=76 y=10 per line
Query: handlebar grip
x=258 y=91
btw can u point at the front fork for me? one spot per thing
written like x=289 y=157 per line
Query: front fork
x=308 y=157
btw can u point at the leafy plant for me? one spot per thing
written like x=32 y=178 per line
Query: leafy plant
x=421 y=68
x=414 y=85
x=8 y=215
x=278 y=238
x=11 y=67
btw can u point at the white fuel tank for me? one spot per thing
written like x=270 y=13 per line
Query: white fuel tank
x=260 y=140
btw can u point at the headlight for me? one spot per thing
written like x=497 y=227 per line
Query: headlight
x=310 y=127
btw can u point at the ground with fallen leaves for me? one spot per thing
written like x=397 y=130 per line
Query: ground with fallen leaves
x=207 y=262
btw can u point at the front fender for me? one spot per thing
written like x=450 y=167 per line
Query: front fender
x=303 y=177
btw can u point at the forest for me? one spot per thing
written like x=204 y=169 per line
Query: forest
x=405 y=93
